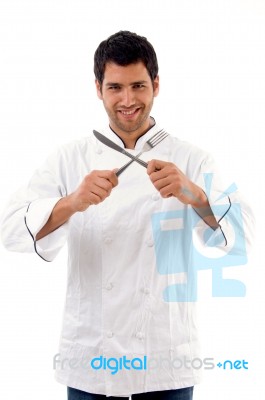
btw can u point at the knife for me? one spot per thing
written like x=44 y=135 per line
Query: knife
x=103 y=139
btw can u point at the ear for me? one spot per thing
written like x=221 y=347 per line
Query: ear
x=98 y=87
x=156 y=86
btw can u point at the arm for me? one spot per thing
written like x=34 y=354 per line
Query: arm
x=93 y=190
x=37 y=216
x=170 y=181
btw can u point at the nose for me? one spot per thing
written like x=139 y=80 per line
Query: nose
x=127 y=99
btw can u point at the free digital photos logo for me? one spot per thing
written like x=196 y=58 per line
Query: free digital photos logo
x=178 y=249
x=144 y=363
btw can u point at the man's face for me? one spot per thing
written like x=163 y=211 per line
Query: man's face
x=128 y=94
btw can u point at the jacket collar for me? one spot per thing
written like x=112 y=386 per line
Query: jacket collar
x=109 y=133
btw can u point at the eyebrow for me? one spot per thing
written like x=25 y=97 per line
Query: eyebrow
x=119 y=84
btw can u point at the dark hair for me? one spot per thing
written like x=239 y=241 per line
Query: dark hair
x=124 y=48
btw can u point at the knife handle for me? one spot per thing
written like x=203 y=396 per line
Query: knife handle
x=120 y=170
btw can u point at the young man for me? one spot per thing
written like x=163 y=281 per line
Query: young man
x=129 y=328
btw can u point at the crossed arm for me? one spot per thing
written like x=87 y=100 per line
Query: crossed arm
x=97 y=186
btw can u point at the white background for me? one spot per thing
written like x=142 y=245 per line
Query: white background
x=212 y=70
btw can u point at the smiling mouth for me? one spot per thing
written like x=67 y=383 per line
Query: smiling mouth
x=129 y=113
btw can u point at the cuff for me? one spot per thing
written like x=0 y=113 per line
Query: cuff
x=37 y=214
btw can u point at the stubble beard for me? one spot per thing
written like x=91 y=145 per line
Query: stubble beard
x=129 y=127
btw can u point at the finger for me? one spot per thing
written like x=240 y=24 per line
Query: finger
x=92 y=198
x=104 y=184
x=112 y=177
x=99 y=191
x=155 y=165
x=95 y=199
x=106 y=174
x=165 y=187
x=158 y=175
x=161 y=183
x=167 y=191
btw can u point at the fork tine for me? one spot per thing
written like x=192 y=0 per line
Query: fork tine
x=158 y=133
x=159 y=138
x=152 y=142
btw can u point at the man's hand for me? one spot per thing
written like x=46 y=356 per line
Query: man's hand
x=169 y=180
x=93 y=190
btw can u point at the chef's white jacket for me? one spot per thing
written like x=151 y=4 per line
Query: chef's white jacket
x=115 y=303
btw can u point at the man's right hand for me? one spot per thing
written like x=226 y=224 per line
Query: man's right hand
x=94 y=189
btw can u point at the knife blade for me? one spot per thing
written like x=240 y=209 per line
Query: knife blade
x=103 y=139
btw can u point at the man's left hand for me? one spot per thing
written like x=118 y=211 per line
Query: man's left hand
x=169 y=180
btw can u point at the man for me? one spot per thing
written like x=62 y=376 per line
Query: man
x=124 y=332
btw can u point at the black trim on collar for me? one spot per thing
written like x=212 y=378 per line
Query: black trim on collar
x=139 y=136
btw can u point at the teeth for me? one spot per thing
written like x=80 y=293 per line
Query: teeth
x=128 y=112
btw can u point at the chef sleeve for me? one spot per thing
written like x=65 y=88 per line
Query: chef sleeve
x=29 y=210
x=234 y=216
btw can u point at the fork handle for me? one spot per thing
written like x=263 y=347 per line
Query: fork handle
x=123 y=168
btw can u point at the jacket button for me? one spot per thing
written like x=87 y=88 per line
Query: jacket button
x=109 y=334
x=99 y=150
x=155 y=196
x=109 y=286
x=146 y=290
x=108 y=240
x=150 y=243
x=139 y=335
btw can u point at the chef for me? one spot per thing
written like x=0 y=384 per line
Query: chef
x=128 y=328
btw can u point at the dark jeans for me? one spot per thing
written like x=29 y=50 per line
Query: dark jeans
x=175 y=394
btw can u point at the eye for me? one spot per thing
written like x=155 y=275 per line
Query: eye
x=114 y=87
x=138 y=86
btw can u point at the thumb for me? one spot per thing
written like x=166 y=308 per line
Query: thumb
x=155 y=165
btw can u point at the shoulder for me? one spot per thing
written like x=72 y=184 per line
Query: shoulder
x=74 y=151
x=68 y=156
x=187 y=150
x=78 y=146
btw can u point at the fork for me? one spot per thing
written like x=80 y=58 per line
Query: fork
x=149 y=144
